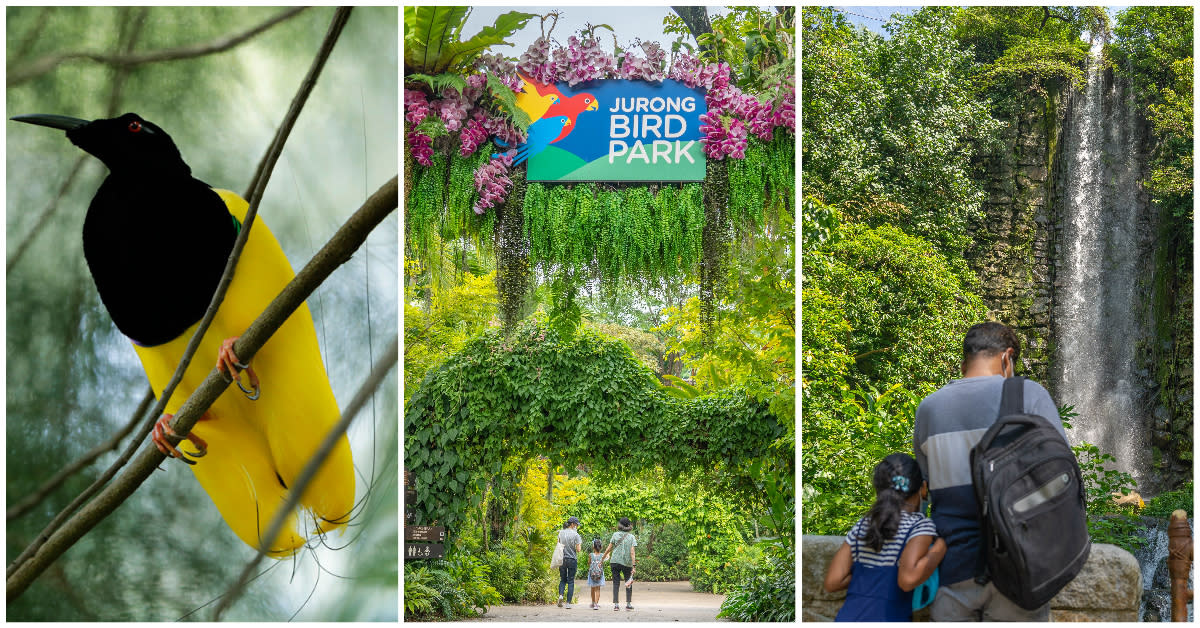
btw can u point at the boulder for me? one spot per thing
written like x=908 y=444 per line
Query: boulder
x=1108 y=589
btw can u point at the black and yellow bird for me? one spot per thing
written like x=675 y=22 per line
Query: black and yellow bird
x=156 y=241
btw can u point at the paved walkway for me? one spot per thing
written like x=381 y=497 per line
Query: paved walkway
x=652 y=601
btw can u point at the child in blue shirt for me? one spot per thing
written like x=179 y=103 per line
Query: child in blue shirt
x=891 y=549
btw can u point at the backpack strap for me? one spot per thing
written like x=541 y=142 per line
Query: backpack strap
x=1012 y=399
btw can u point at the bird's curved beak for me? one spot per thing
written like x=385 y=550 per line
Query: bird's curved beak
x=594 y=106
x=65 y=123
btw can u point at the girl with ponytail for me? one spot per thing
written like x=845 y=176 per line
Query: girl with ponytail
x=891 y=549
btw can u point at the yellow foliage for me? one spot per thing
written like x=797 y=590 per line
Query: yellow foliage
x=540 y=519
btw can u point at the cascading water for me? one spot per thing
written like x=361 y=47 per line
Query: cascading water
x=1100 y=316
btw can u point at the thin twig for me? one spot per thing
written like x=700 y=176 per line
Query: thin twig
x=27 y=504
x=384 y=366
x=47 y=63
x=336 y=252
x=194 y=344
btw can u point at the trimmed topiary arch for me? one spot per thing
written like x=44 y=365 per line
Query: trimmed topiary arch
x=583 y=400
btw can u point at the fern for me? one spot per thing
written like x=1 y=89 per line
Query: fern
x=432 y=126
x=440 y=82
x=433 y=37
x=506 y=99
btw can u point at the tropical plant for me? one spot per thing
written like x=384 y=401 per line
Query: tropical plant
x=767 y=593
x=433 y=37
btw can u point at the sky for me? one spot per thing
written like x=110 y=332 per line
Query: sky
x=872 y=17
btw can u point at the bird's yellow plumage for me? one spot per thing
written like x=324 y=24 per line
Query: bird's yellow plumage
x=256 y=448
x=533 y=103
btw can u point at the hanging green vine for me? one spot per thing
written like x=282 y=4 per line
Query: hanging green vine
x=714 y=240
x=512 y=253
x=441 y=201
x=425 y=204
x=586 y=399
x=762 y=184
x=600 y=231
x=617 y=234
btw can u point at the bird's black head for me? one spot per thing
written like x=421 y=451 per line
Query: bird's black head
x=127 y=145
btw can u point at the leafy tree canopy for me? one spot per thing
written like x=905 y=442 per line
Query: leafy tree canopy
x=882 y=307
x=1154 y=49
x=894 y=121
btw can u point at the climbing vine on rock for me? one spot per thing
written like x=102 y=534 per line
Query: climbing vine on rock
x=583 y=400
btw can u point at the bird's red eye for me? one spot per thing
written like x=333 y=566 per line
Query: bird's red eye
x=135 y=126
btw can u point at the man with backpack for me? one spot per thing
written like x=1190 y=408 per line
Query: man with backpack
x=951 y=422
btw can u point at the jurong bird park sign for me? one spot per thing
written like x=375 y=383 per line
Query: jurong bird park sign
x=613 y=130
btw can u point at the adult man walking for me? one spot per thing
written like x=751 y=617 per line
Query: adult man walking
x=949 y=422
x=572 y=542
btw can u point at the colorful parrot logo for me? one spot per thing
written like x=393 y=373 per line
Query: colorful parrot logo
x=552 y=114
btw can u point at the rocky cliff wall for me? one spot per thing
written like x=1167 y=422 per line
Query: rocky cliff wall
x=1012 y=249
x=1108 y=589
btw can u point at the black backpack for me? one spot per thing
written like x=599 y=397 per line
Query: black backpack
x=1032 y=504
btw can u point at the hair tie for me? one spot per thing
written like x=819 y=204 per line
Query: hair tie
x=900 y=483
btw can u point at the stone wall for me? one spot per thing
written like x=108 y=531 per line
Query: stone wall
x=1012 y=248
x=1108 y=589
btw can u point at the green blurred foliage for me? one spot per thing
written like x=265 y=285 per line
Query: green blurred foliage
x=222 y=111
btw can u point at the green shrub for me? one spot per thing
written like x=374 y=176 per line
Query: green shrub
x=767 y=592
x=747 y=561
x=670 y=551
x=1107 y=522
x=541 y=586
x=420 y=596
x=1167 y=503
x=509 y=573
x=450 y=589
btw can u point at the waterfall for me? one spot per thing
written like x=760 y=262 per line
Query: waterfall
x=1103 y=251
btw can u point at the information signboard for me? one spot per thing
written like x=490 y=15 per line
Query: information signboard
x=616 y=130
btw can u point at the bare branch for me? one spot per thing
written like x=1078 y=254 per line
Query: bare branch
x=194 y=344
x=27 y=504
x=47 y=63
x=336 y=252
x=383 y=366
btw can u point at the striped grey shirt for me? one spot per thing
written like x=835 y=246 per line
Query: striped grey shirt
x=889 y=554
